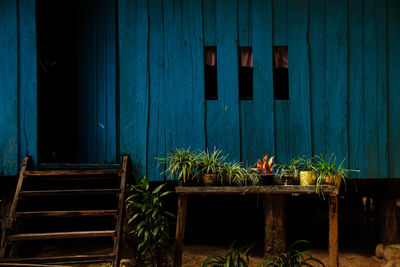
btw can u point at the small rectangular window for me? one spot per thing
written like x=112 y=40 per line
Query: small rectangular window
x=210 y=73
x=245 y=73
x=281 y=72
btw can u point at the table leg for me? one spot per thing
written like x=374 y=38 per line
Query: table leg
x=275 y=232
x=180 y=229
x=333 y=231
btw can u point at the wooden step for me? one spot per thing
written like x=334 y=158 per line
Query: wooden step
x=55 y=259
x=69 y=192
x=73 y=172
x=72 y=213
x=9 y=264
x=78 y=166
x=61 y=235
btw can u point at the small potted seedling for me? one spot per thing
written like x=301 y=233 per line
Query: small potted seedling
x=210 y=166
x=308 y=175
x=290 y=172
x=265 y=168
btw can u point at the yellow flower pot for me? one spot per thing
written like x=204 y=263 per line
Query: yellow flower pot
x=308 y=177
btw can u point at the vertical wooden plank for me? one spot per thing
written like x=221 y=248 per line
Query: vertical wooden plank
x=101 y=81
x=333 y=231
x=336 y=78
x=319 y=98
x=156 y=130
x=222 y=125
x=209 y=23
x=356 y=89
x=111 y=72
x=281 y=107
x=8 y=88
x=244 y=22
x=133 y=41
x=27 y=80
x=275 y=231
x=375 y=71
x=394 y=85
x=280 y=26
x=257 y=138
x=180 y=229
x=299 y=79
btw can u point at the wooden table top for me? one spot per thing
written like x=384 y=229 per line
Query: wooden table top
x=268 y=189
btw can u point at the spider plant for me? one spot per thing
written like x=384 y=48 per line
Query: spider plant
x=182 y=164
x=232 y=173
x=233 y=258
x=292 y=258
x=211 y=162
x=293 y=167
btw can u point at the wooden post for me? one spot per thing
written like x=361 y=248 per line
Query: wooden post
x=275 y=232
x=180 y=229
x=388 y=224
x=333 y=231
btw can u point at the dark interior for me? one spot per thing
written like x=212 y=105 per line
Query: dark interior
x=56 y=37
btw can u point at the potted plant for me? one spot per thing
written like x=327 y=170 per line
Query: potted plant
x=232 y=173
x=329 y=173
x=210 y=166
x=182 y=164
x=308 y=175
x=265 y=169
x=290 y=172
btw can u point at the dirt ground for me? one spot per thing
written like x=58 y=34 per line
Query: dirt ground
x=194 y=255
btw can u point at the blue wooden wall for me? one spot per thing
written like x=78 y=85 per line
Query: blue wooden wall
x=18 y=84
x=344 y=66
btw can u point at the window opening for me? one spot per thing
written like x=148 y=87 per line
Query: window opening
x=281 y=72
x=210 y=73
x=245 y=73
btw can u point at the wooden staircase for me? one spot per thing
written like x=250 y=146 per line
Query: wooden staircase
x=55 y=204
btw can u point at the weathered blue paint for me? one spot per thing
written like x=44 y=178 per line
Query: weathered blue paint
x=356 y=89
x=299 y=79
x=343 y=78
x=317 y=50
x=27 y=80
x=393 y=57
x=257 y=115
x=375 y=87
x=8 y=88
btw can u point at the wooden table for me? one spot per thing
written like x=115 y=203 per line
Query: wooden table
x=274 y=210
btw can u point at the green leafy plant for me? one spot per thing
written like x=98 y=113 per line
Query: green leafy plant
x=292 y=258
x=307 y=164
x=233 y=258
x=211 y=163
x=182 y=163
x=150 y=221
x=266 y=166
x=293 y=167
x=232 y=173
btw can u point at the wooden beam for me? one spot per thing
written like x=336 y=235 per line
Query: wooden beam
x=388 y=223
x=70 y=192
x=273 y=189
x=73 y=172
x=180 y=229
x=275 y=232
x=30 y=265
x=333 y=231
x=61 y=258
x=71 y=213
x=61 y=235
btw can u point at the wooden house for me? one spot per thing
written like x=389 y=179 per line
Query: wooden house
x=87 y=81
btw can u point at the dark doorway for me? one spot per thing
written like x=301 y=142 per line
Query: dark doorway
x=56 y=37
x=77 y=81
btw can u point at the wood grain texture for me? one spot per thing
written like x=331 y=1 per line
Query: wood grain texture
x=356 y=93
x=72 y=213
x=280 y=22
x=28 y=131
x=299 y=80
x=156 y=136
x=336 y=78
x=333 y=231
x=244 y=22
x=319 y=100
x=393 y=88
x=8 y=88
x=209 y=23
x=61 y=235
x=134 y=96
x=257 y=115
x=222 y=120
x=275 y=230
x=375 y=78
x=180 y=229
x=63 y=258
x=273 y=189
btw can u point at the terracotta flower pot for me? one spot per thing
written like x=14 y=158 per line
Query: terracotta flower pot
x=334 y=179
x=308 y=177
x=209 y=179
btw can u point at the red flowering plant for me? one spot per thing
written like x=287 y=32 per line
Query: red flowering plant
x=266 y=166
